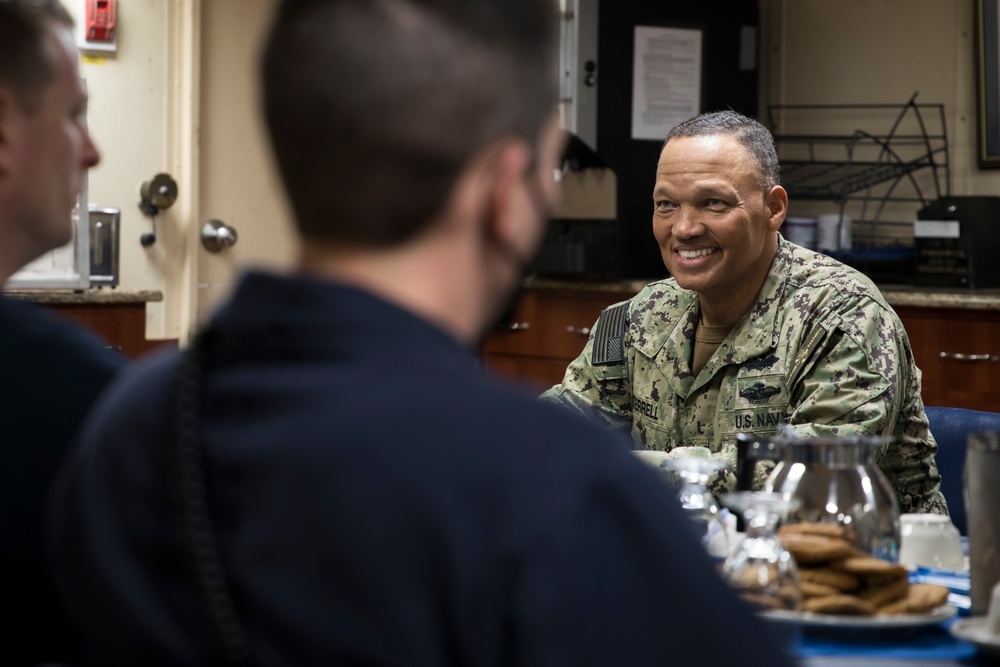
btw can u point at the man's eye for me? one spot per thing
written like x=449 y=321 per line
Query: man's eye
x=664 y=206
x=715 y=203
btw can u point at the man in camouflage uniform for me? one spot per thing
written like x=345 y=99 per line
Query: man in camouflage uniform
x=751 y=331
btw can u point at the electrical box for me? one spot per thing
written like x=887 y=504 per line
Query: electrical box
x=100 y=21
x=97 y=25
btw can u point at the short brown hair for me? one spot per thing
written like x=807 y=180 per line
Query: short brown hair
x=25 y=67
x=374 y=107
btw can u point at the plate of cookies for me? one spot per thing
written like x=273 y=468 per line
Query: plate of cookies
x=845 y=589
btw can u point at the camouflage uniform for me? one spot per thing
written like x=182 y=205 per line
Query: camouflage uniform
x=820 y=349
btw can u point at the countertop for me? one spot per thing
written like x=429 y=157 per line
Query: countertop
x=630 y=286
x=896 y=295
x=98 y=295
x=940 y=297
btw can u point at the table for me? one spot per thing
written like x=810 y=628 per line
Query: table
x=926 y=647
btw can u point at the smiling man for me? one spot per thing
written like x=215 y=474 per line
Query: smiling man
x=751 y=331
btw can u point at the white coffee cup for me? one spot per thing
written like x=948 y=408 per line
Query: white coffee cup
x=930 y=540
x=993 y=617
x=833 y=232
x=800 y=231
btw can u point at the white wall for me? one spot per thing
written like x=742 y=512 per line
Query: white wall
x=179 y=96
x=128 y=119
x=880 y=51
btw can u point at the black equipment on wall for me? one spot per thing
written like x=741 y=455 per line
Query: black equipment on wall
x=956 y=240
x=724 y=86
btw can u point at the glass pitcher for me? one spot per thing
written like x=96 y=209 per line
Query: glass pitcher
x=836 y=480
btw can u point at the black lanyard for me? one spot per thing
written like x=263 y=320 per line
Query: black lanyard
x=193 y=497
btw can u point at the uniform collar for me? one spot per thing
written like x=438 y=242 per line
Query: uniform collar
x=755 y=333
x=757 y=330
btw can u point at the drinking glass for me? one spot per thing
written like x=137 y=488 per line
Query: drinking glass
x=760 y=568
x=698 y=502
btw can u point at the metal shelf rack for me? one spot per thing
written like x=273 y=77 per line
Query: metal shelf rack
x=824 y=156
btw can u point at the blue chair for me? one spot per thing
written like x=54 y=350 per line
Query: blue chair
x=951 y=427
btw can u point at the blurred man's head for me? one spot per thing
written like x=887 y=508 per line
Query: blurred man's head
x=44 y=144
x=375 y=106
x=377 y=111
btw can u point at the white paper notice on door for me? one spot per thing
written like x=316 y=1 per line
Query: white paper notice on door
x=666 y=80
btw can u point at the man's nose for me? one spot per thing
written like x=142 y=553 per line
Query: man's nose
x=91 y=155
x=686 y=223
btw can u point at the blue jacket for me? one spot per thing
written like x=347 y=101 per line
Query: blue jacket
x=52 y=372
x=379 y=500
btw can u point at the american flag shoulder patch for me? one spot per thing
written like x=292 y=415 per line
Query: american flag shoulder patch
x=609 y=336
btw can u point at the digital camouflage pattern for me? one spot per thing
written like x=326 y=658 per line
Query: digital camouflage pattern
x=819 y=350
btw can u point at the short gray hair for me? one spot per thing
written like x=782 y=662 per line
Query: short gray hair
x=753 y=136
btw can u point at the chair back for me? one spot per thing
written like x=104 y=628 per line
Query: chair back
x=951 y=428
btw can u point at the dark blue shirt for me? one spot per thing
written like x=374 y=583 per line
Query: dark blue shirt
x=52 y=372
x=379 y=500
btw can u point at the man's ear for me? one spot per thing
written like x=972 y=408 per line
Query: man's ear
x=777 y=204
x=509 y=171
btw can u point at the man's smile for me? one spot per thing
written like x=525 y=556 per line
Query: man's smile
x=695 y=254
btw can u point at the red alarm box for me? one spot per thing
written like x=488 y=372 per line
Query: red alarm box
x=100 y=20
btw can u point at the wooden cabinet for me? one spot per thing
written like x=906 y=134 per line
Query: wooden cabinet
x=958 y=351
x=122 y=325
x=547 y=329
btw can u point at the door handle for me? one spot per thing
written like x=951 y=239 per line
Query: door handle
x=216 y=236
